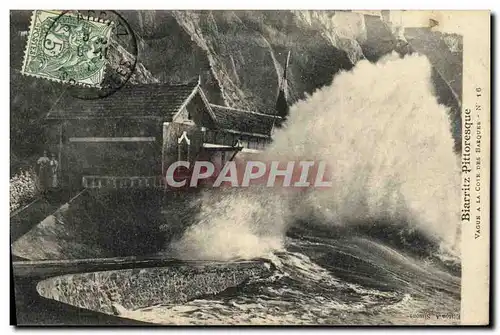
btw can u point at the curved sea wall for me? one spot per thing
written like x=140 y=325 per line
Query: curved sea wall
x=116 y=292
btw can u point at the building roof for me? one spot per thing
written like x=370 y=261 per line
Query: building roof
x=244 y=121
x=162 y=101
x=147 y=100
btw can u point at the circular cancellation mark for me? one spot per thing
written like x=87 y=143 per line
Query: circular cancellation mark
x=103 y=53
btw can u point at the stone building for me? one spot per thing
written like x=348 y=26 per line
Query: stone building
x=128 y=139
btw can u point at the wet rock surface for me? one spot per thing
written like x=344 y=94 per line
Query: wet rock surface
x=114 y=292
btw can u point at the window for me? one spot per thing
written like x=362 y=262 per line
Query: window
x=252 y=143
x=210 y=136
x=219 y=137
x=244 y=141
x=228 y=139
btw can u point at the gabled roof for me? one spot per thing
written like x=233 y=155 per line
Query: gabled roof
x=244 y=121
x=147 y=100
x=162 y=101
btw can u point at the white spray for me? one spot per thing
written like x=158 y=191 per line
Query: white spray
x=390 y=151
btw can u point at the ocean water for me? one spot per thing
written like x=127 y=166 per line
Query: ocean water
x=324 y=281
x=378 y=247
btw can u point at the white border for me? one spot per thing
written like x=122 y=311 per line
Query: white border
x=262 y=4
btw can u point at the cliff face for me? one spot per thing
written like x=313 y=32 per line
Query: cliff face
x=240 y=56
x=247 y=53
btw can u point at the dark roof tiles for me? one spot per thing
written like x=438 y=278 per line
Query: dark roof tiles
x=160 y=100
x=244 y=121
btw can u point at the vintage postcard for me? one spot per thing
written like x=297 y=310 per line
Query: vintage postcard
x=308 y=167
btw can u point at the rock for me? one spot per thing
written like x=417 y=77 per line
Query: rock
x=118 y=309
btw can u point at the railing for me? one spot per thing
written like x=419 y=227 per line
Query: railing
x=122 y=182
x=225 y=137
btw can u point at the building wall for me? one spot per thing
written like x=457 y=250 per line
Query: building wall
x=106 y=147
x=146 y=146
x=198 y=113
x=173 y=150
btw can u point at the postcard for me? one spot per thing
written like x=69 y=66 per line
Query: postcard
x=286 y=167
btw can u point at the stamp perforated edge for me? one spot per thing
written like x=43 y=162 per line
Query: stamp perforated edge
x=25 y=58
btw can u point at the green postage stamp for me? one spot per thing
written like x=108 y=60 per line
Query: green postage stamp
x=67 y=47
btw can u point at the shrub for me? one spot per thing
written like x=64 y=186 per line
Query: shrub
x=22 y=188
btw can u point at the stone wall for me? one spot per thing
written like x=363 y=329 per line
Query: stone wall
x=111 y=292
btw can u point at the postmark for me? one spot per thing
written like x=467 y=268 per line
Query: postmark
x=105 y=58
x=67 y=49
